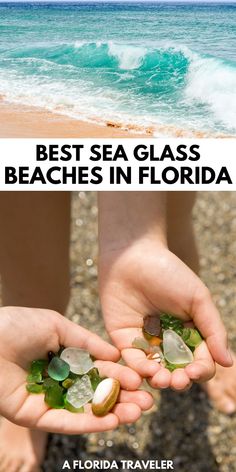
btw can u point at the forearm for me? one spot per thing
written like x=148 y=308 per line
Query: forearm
x=125 y=217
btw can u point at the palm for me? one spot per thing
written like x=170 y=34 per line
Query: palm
x=139 y=281
x=40 y=331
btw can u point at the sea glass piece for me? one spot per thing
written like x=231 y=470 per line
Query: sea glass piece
x=48 y=382
x=79 y=360
x=171 y=322
x=34 y=388
x=70 y=408
x=58 y=369
x=151 y=326
x=141 y=343
x=95 y=378
x=172 y=367
x=54 y=397
x=80 y=393
x=68 y=383
x=37 y=367
x=155 y=341
x=154 y=356
x=191 y=337
x=34 y=378
x=175 y=350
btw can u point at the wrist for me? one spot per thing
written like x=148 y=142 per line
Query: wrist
x=130 y=218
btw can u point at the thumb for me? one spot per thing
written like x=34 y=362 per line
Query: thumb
x=207 y=319
x=73 y=335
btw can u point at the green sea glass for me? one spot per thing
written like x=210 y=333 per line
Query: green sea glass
x=54 y=397
x=48 y=382
x=67 y=383
x=34 y=378
x=38 y=367
x=58 y=369
x=170 y=322
x=34 y=388
x=95 y=378
x=191 y=337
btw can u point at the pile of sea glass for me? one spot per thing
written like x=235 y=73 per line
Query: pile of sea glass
x=167 y=340
x=68 y=379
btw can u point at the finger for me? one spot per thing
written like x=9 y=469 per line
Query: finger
x=203 y=367
x=137 y=360
x=72 y=335
x=180 y=380
x=4 y=463
x=143 y=399
x=127 y=412
x=15 y=465
x=162 y=379
x=207 y=318
x=128 y=379
x=124 y=337
x=134 y=358
x=62 y=421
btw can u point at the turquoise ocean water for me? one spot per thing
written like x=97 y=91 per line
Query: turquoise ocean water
x=146 y=63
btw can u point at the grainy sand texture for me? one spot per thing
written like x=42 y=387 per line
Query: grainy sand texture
x=18 y=121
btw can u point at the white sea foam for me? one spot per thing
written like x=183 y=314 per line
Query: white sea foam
x=213 y=83
x=129 y=57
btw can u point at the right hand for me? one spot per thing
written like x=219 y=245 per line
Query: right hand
x=29 y=334
x=143 y=278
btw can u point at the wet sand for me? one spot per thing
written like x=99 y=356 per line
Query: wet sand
x=19 y=121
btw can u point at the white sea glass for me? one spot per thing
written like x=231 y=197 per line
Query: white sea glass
x=79 y=360
x=80 y=393
x=174 y=348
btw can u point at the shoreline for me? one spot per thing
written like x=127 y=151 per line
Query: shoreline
x=22 y=121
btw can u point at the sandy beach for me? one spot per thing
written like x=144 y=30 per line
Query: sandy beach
x=19 y=121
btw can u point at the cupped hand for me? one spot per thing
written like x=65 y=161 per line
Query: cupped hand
x=29 y=334
x=144 y=278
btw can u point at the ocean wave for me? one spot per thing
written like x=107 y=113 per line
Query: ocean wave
x=213 y=82
x=155 y=83
x=106 y=54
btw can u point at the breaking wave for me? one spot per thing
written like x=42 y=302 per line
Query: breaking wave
x=150 y=83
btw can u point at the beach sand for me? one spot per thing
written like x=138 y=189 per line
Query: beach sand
x=19 y=121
